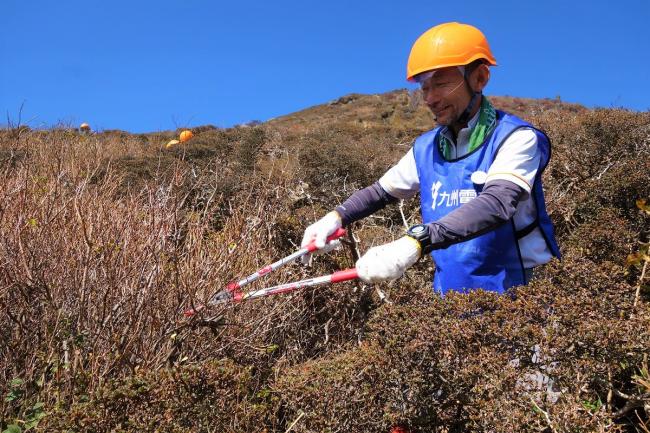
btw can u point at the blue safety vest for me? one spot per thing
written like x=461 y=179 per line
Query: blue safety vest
x=491 y=261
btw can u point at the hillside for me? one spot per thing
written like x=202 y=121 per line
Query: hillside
x=108 y=237
x=402 y=108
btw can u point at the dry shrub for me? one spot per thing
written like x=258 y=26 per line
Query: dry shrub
x=604 y=236
x=249 y=147
x=600 y=158
x=107 y=238
x=211 y=143
x=95 y=279
x=336 y=162
x=450 y=372
x=172 y=400
x=196 y=129
x=327 y=156
x=470 y=362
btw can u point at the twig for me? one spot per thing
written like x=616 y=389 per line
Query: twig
x=604 y=171
x=610 y=392
x=327 y=330
x=382 y=296
x=401 y=211
x=546 y=415
x=638 y=288
x=353 y=243
x=642 y=424
x=630 y=405
x=295 y=421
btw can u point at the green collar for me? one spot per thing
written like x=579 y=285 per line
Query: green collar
x=487 y=120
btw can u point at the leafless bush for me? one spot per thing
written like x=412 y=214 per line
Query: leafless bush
x=108 y=238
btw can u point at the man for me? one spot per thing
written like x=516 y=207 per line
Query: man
x=478 y=173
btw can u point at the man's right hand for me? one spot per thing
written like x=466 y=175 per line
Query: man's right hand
x=319 y=232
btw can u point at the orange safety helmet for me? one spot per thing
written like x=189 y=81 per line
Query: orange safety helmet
x=186 y=135
x=449 y=44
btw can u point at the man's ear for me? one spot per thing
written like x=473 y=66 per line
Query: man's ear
x=480 y=77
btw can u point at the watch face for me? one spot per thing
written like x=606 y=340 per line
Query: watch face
x=417 y=229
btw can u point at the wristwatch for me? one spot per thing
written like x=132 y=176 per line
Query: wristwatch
x=420 y=232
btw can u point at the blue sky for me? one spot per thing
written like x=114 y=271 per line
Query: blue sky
x=155 y=65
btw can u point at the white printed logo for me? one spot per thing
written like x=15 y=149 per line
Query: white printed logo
x=450 y=199
x=434 y=193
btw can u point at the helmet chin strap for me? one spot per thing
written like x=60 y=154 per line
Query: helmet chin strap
x=464 y=117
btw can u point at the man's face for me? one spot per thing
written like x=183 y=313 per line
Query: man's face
x=446 y=94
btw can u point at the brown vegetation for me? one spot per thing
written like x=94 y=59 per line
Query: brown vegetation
x=107 y=238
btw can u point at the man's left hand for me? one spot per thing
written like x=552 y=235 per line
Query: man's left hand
x=389 y=261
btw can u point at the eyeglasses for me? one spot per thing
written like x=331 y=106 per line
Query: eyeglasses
x=424 y=76
x=439 y=86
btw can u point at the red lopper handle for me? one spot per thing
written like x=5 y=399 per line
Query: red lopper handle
x=311 y=247
x=337 y=234
x=345 y=275
x=192 y=311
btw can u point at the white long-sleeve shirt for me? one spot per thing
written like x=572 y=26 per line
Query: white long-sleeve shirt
x=517 y=161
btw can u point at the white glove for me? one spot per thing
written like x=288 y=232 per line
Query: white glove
x=319 y=232
x=389 y=261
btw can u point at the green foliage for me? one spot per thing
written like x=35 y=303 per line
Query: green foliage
x=15 y=390
x=593 y=406
x=12 y=428
x=34 y=416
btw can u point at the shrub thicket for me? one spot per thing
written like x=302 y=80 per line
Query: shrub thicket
x=107 y=238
